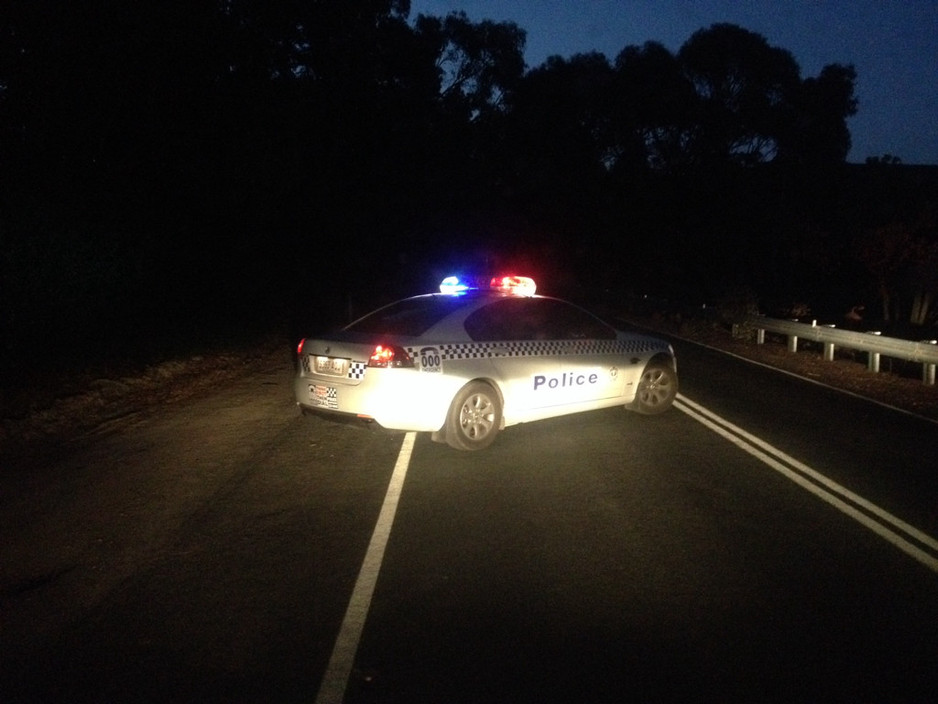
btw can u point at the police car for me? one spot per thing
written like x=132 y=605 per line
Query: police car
x=472 y=360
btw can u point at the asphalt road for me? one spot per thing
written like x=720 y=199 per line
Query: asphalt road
x=767 y=539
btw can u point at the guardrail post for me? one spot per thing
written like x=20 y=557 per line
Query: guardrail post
x=873 y=357
x=928 y=370
x=829 y=348
x=760 y=336
x=792 y=343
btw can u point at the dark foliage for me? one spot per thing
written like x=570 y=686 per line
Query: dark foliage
x=177 y=171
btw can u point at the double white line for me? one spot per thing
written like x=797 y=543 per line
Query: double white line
x=907 y=538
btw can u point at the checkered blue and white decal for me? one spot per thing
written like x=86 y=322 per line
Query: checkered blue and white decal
x=356 y=370
x=537 y=348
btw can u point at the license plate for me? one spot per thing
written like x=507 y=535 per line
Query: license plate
x=332 y=366
x=323 y=396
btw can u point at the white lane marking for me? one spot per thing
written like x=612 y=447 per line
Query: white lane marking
x=871 y=516
x=332 y=688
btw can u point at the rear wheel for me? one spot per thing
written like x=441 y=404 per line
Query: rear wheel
x=657 y=389
x=474 y=418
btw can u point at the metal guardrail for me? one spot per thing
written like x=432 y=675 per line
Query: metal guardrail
x=873 y=343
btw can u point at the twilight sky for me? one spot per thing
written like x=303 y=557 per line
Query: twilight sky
x=893 y=44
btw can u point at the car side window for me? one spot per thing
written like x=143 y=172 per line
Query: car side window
x=494 y=321
x=534 y=319
x=568 y=322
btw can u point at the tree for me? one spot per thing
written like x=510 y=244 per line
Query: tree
x=923 y=272
x=479 y=64
x=816 y=132
x=924 y=282
x=561 y=131
x=744 y=87
x=884 y=251
x=884 y=160
x=653 y=109
x=903 y=257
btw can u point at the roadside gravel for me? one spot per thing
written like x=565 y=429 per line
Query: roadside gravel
x=92 y=404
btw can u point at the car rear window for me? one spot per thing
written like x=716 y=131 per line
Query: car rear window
x=410 y=317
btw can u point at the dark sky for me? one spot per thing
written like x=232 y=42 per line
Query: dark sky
x=893 y=44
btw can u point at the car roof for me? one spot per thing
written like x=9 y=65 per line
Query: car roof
x=431 y=314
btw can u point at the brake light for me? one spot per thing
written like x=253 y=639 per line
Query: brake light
x=299 y=347
x=390 y=357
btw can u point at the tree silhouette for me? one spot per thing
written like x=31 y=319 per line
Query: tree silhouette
x=816 y=132
x=744 y=87
x=654 y=108
x=175 y=168
x=479 y=64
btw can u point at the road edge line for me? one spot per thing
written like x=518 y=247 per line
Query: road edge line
x=335 y=679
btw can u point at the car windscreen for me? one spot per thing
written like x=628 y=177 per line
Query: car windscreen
x=410 y=317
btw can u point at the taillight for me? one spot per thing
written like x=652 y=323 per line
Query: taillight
x=389 y=356
x=299 y=347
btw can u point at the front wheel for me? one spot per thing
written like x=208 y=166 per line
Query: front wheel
x=657 y=389
x=474 y=417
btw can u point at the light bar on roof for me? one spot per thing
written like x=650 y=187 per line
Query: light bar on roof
x=514 y=285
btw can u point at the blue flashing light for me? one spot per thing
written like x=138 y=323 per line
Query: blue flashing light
x=452 y=284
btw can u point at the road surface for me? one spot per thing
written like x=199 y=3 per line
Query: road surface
x=768 y=539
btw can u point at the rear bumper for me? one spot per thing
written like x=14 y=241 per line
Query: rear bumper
x=396 y=399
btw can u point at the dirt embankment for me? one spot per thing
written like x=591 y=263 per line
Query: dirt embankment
x=91 y=403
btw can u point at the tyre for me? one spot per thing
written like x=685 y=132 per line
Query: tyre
x=474 y=417
x=657 y=389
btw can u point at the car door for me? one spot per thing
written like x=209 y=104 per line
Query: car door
x=592 y=360
x=529 y=364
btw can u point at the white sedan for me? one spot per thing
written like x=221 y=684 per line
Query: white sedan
x=467 y=362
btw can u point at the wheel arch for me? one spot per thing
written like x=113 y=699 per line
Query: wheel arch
x=439 y=435
x=663 y=357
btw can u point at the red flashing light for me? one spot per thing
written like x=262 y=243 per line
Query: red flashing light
x=518 y=285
